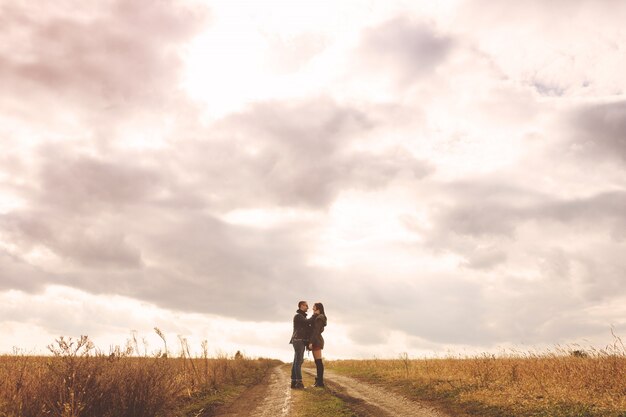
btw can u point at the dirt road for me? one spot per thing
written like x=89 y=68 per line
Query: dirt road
x=273 y=398
x=371 y=401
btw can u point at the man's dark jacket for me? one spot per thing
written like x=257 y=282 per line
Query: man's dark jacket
x=301 y=327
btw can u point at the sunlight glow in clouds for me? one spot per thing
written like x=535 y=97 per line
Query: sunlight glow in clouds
x=227 y=66
x=300 y=48
x=443 y=175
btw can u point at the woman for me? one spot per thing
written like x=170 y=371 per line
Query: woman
x=317 y=341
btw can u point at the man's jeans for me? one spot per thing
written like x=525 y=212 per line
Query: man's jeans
x=298 y=358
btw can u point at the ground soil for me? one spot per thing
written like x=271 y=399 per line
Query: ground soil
x=371 y=401
x=272 y=398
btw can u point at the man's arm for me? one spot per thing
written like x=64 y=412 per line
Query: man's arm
x=300 y=320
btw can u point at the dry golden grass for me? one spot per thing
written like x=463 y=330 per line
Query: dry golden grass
x=78 y=380
x=559 y=382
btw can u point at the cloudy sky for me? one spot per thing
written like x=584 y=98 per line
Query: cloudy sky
x=444 y=176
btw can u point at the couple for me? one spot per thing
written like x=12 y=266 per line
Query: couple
x=307 y=333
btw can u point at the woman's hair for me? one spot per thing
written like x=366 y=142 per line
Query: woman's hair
x=320 y=307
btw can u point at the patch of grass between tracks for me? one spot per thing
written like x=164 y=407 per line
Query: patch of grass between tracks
x=318 y=402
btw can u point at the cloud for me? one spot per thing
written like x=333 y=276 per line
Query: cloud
x=114 y=51
x=441 y=308
x=484 y=212
x=598 y=131
x=531 y=258
x=439 y=186
x=74 y=207
x=81 y=182
x=289 y=54
x=86 y=243
x=556 y=51
x=89 y=68
x=17 y=274
x=193 y=263
x=365 y=335
x=208 y=265
x=121 y=226
x=148 y=224
x=403 y=47
x=298 y=153
x=485 y=258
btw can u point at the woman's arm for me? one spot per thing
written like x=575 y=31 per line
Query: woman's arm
x=315 y=333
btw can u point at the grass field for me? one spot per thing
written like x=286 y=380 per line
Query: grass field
x=563 y=382
x=80 y=381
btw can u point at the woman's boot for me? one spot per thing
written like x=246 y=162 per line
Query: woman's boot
x=319 y=365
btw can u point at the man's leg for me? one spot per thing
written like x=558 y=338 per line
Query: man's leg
x=298 y=359
x=294 y=365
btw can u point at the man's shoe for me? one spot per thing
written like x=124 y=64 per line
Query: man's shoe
x=293 y=384
x=299 y=385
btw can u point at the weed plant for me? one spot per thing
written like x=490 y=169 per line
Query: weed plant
x=78 y=380
x=563 y=381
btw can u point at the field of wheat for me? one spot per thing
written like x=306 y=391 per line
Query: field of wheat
x=558 y=382
x=79 y=380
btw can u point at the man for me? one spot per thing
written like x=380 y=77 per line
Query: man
x=299 y=340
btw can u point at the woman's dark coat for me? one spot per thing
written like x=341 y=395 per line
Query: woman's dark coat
x=319 y=322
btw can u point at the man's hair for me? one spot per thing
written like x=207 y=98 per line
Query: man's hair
x=300 y=303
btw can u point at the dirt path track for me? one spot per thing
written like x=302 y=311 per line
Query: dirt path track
x=371 y=401
x=271 y=398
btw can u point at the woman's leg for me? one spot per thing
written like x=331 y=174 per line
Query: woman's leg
x=319 y=365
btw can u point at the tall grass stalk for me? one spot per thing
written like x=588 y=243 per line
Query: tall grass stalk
x=78 y=380
x=562 y=381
